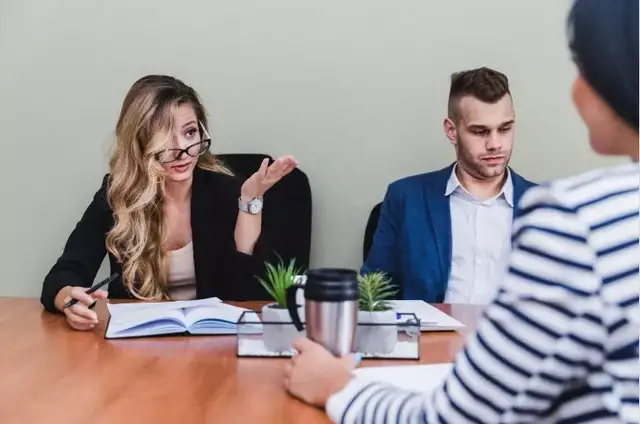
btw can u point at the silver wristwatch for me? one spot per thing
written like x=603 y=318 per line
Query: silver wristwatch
x=253 y=206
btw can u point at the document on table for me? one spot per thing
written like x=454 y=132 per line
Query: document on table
x=417 y=378
x=431 y=318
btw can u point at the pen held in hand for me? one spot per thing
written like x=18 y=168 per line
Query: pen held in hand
x=92 y=290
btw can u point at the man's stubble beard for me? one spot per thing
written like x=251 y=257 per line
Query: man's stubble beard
x=476 y=168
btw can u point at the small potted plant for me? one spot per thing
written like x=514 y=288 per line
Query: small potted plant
x=278 y=338
x=375 y=290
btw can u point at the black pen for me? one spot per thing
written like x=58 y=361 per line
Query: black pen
x=93 y=289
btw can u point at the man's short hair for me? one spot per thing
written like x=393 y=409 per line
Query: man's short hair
x=485 y=84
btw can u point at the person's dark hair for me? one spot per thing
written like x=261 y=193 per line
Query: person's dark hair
x=603 y=38
x=485 y=84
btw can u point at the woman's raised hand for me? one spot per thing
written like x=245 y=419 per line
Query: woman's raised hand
x=265 y=177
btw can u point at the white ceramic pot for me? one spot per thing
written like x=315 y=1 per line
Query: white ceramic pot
x=376 y=338
x=279 y=337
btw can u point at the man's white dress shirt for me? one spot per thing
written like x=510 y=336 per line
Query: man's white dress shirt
x=481 y=241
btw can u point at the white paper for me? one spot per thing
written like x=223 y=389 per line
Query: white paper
x=417 y=378
x=431 y=318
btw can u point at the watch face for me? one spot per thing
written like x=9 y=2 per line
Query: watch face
x=255 y=206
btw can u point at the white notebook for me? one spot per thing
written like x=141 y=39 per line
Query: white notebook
x=431 y=318
x=194 y=317
x=417 y=378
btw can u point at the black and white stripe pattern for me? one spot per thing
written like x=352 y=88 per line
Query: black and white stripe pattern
x=560 y=341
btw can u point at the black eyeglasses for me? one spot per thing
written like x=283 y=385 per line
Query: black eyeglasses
x=194 y=150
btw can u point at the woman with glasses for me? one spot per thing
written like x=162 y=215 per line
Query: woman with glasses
x=559 y=343
x=173 y=220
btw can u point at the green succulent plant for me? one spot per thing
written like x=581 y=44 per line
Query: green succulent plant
x=278 y=279
x=375 y=290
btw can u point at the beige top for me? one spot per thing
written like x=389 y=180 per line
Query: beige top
x=182 y=274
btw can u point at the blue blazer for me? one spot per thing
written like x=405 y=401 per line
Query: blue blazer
x=412 y=243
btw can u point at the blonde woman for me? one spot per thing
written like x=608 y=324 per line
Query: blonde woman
x=173 y=220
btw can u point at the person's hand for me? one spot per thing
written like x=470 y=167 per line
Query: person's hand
x=79 y=316
x=314 y=374
x=263 y=179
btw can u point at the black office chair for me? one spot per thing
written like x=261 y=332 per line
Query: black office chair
x=370 y=230
x=243 y=164
x=287 y=211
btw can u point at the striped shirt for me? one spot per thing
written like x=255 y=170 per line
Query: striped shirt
x=559 y=343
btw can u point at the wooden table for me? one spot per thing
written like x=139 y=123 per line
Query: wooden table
x=50 y=373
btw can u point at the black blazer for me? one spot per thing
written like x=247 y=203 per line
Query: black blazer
x=220 y=269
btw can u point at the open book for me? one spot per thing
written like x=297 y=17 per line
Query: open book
x=203 y=316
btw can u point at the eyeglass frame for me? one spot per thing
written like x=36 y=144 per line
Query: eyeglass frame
x=184 y=151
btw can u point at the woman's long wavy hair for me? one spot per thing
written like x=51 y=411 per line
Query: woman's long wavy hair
x=137 y=181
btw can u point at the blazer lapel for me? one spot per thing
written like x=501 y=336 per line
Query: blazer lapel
x=520 y=185
x=440 y=214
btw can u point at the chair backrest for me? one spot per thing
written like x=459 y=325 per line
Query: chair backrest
x=243 y=164
x=287 y=211
x=370 y=230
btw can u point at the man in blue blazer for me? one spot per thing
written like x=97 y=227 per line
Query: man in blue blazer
x=445 y=236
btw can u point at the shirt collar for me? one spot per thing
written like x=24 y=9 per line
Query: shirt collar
x=507 y=188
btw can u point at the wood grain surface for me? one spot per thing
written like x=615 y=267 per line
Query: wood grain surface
x=52 y=374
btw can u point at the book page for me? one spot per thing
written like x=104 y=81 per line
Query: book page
x=145 y=323
x=150 y=318
x=213 y=318
x=417 y=378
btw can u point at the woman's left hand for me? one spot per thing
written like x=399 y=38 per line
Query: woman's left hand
x=261 y=181
x=314 y=374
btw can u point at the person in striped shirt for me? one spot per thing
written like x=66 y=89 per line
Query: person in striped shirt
x=559 y=343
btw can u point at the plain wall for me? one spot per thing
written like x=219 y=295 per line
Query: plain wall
x=356 y=90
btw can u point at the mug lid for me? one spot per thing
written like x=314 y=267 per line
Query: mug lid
x=331 y=285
